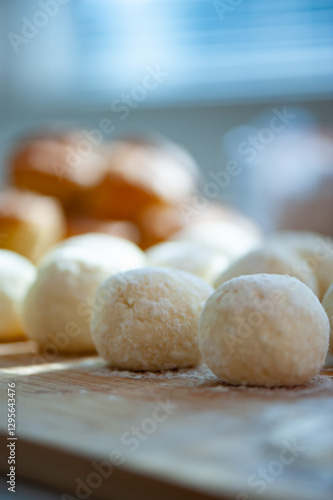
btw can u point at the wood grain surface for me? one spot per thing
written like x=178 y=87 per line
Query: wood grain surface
x=93 y=432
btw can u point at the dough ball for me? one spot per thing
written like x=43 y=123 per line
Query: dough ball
x=227 y=237
x=270 y=260
x=59 y=305
x=149 y=320
x=195 y=258
x=264 y=330
x=118 y=252
x=16 y=275
x=315 y=249
x=328 y=306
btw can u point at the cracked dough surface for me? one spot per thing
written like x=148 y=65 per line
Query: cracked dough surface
x=149 y=319
x=265 y=330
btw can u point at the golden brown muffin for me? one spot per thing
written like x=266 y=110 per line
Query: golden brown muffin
x=77 y=225
x=57 y=165
x=29 y=222
x=139 y=173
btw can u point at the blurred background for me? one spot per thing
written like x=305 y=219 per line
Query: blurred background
x=244 y=80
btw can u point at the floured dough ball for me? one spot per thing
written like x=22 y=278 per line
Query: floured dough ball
x=315 y=249
x=122 y=253
x=264 y=330
x=16 y=275
x=270 y=260
x=228 y=237
x=328 y=306
x=149 y=320
x=59 y=305
x=202 y=260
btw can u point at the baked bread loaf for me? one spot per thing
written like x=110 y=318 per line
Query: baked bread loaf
x=139 y=173
x=59 y=165
x=29 y=222
x=78 y=225
x=159 y=222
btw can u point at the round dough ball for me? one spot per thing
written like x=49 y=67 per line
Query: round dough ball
x=59 y=305
x=16 y=275
x=328 y=306
x=227 y=237
x=150 y=319
x=120 y=253
x=195 y=258
x=315 y=249
x=270 y=260
x=264 y=330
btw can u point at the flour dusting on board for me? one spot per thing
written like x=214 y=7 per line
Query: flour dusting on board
x=199 y=374
x=202 y=376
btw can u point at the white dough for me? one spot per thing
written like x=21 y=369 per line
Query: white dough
x=16 y=275
x=227 y=237
x=123 y=253
x=270 y=260
x=202 y=260
x=59 y=305
x=328 y=306
x=264 y=330
x=315 y=249
x=149 y=320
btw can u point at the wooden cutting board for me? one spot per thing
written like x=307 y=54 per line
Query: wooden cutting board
x=178 y=434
